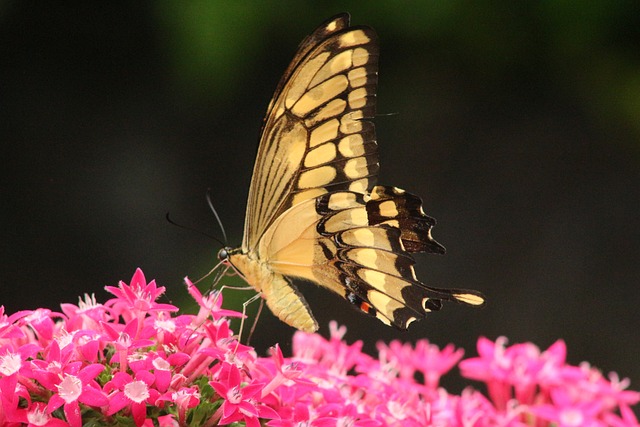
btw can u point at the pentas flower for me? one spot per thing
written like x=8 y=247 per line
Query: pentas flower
x=76 y=389
x=138 y=299
x=239 y=398
x=281 y=372
x=567 y=412
x=541 y=387
x=86 y=315
x=134 y=361
x=8 y=330
x=210 y=305
x=131 y=393
x=184 y=399
x=36 y=416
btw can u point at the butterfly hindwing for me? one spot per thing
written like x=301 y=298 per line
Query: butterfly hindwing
x=394 y=206
x=370 y=255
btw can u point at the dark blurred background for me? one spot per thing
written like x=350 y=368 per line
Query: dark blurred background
x=518 y=124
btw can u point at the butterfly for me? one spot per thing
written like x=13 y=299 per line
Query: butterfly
x=314 y=212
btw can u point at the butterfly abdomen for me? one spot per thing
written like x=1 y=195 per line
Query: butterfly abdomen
x=282 y=297
x=287 y=304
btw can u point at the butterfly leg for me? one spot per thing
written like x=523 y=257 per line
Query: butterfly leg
x=244 y=315
x=255 y=321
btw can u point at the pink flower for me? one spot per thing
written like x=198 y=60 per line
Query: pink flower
x=165 y=329
x=344 y=416
x=628 y=418
x=126 y=392
x=426 y=358
x=126 y=340
x=513 y=371
x=8 y=330
x=296 y=415
x=38 y=416
x=47 y=371
x=41 y=322
x=88 y=314
x=210 y=305
x=75 y=389
x=139 y=297
x=14 y=364
x=97 y=364
x=283 y=373
x=239 y=403
x=565 y=412
x=334 y=354
x=185 y=398
x=88 y=344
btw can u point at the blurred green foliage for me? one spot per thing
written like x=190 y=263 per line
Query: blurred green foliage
x=587 y=49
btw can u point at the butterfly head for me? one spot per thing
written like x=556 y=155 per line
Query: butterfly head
x=226 y=254
x=223 y=255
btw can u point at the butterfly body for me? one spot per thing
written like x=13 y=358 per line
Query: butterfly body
x=314 y=212
x=283 y=299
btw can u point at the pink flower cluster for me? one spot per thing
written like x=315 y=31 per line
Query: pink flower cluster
x=134 y=361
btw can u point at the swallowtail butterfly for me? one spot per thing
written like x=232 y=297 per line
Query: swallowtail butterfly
x=314 y=212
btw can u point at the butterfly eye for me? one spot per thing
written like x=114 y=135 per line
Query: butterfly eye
x=223 y=255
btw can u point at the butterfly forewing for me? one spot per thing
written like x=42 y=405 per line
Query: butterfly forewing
x=316 y=137
x=332 y=25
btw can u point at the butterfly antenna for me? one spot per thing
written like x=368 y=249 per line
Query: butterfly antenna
x=215 y=213
x=184 y=227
